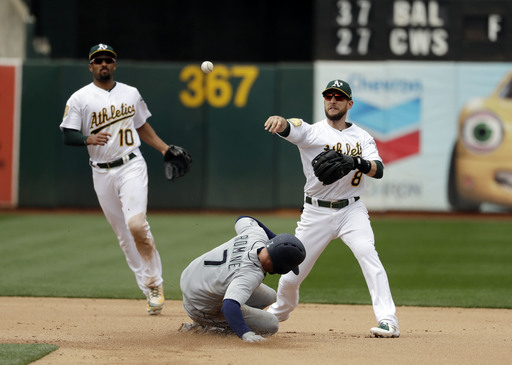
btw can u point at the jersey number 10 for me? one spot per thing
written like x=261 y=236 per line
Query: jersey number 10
x=125 y=137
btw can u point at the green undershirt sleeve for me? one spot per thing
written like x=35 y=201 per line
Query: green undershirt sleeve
x=72 y=137
x=380 y=170
x=286 y=132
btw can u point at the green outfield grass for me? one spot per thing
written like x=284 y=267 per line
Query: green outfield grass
x=20 y=354
x=430 y=262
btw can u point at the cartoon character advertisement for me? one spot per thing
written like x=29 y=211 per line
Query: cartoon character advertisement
x=443 y=130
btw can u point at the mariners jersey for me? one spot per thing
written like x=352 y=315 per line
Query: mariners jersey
x=229 y=271
x=118 y=112
x=311 y=139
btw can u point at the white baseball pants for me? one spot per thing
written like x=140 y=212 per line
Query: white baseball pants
x=317 y=228
x=123 y=195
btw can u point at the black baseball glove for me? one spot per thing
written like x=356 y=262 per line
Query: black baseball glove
x=330 y=166
x=177 y=162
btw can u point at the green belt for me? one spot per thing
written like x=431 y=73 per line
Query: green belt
x=327 y=204
x=121 y=161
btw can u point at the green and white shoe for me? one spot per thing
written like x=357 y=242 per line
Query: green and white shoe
x=385 y=329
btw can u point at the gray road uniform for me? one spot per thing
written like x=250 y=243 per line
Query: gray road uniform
x=231 y=271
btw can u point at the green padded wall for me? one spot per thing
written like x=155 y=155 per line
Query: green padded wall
x=217 y=117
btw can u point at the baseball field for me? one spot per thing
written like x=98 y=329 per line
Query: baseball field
x=67 y=295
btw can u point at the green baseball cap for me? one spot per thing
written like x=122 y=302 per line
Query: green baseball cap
x=101 y=48
x=339 y=85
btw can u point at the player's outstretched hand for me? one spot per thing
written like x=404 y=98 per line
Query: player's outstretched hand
x=252 y=337
x=275 y=124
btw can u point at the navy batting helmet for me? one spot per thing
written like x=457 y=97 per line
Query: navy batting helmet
x=286 y=252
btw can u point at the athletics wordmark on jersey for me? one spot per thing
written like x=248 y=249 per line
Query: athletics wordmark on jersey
x=106 y=118
x=349 y=150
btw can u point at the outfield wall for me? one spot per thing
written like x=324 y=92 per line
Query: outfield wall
x=218 y=118
x=411 y=109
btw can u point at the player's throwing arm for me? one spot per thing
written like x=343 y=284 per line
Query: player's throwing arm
x=276 y=124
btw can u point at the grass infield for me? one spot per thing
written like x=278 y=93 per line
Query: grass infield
x=429 y=261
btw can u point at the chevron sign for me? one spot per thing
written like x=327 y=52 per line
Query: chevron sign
x=396 y=128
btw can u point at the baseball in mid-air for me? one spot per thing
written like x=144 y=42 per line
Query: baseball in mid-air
x=207 y=67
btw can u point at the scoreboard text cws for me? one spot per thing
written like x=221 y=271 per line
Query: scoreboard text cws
x=466 y=30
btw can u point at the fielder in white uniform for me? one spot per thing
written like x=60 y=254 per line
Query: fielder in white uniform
x=223 y=288
x=335 y=210
x=109 y=118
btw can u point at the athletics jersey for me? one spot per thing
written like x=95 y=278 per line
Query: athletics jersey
x=119 y=112
x=311 y=139
x=229 y=271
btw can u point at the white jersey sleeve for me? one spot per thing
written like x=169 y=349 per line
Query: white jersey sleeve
x=119 y=112
x=312 y=139
x=72 y=114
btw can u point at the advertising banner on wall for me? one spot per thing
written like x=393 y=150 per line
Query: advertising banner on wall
x=9 y=115
x=412 y=111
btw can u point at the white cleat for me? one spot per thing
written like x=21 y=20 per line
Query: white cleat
x=156 y=300
x=385 y=330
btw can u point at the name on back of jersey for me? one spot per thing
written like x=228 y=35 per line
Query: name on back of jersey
x=239 y=247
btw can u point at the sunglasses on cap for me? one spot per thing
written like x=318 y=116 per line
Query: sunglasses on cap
x=99 y=60
x=338 y=97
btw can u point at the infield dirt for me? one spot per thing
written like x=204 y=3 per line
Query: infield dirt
x=101 y=331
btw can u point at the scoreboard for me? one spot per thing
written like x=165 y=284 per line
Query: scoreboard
x=443 y=30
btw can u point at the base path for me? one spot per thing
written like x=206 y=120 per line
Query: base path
x=102 y=331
